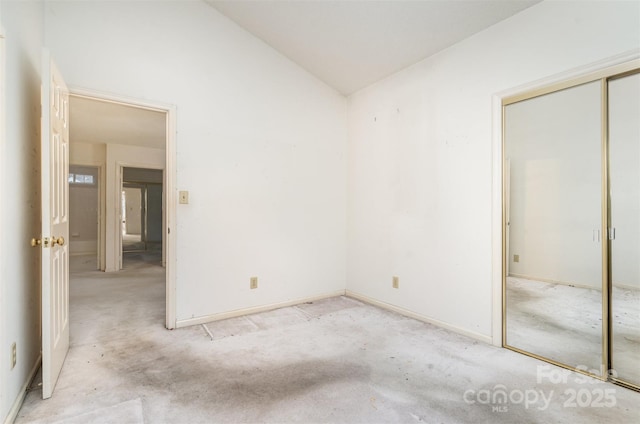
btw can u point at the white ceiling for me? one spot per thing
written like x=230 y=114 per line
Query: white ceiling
x=101 y=122
x=351 y=44
x=347 y=44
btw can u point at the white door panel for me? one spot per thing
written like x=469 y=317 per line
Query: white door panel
x=55 y=224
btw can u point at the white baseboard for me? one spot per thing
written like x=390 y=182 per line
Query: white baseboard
x=17 y=404
x=564 y=283
x=625 y=286
x=419 y=317
x=548 y=280
x=254 y=310
x=264 y=308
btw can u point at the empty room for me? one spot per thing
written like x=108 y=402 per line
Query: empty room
x=319 y=211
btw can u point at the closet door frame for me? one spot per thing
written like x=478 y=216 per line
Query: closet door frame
x=609 y=225
x=604 y=75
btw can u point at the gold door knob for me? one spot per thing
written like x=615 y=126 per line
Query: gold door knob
x=35 y=242
x=59 y=241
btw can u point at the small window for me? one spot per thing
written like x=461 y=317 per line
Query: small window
x=81 y=179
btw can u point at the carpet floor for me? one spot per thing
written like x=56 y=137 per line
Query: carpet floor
x=331 y=361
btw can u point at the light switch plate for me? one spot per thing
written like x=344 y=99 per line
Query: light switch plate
x=183 y=197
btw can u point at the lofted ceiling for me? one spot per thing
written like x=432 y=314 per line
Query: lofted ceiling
x=352 y=44
x=348 y=44
x=103 y=122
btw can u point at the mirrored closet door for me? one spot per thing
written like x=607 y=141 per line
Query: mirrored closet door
x=624 y=202
x=571 y=218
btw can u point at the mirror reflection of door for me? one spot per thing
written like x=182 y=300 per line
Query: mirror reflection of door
x=554 y=284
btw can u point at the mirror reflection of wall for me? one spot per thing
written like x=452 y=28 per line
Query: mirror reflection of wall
x=554 y=298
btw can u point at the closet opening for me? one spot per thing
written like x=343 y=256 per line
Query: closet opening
x=571 y=224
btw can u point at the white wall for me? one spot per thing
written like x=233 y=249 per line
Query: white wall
x=87 y=153
x=95 y=155
x=83 y=212
x=420 y=157
x=261 y=146
x=20 y=211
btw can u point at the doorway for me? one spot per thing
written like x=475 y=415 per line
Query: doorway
x=142 y=213
x=120 y=136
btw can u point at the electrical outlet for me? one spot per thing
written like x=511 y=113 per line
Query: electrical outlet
x=395 y=281
x=516 y=258
x=14 y=355
x=253 y=283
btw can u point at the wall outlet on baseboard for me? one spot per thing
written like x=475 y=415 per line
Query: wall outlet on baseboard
x=253 y=282
x=14 y=355
x=395 y=282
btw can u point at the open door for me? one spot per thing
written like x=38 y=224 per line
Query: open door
x=55 y=224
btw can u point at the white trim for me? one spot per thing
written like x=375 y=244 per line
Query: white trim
x=419 y=317
x=254 y=310
x=570 y=284
x=169 y=185
x=496 y=207
x=550 y=281
x=581 y=74
x=3 y=318
x=496 y=223
x=169 y=238
x=17 y=404
x=120 y=100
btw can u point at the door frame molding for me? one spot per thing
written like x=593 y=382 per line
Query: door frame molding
x=169 y=184
x=591 y=71
x=13 y=412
